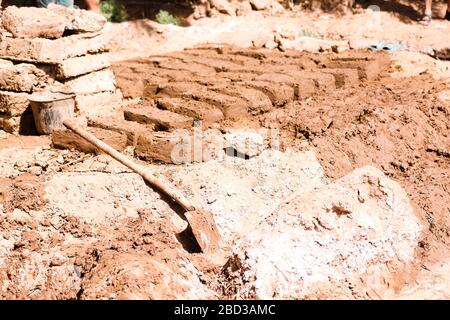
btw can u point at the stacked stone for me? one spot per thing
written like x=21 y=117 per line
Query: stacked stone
x=53 y=49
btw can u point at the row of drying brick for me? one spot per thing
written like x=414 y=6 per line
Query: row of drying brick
x=255 y=95
x=203 y=63
x=252 y=90
x=150 y=126
x=147 y=144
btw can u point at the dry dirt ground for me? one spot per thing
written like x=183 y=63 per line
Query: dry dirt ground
x=76 y=225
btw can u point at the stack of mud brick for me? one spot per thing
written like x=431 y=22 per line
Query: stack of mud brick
x=53 y=49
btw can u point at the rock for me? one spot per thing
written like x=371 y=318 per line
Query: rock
x=271 y=44
x=51 y=51
x=444 y=97
x=249 y=143
x=248 y=190
x=242 y=7
x=223 y=6
x=275 y=7
x=30 y=22
x=342 y=6
x=60 y=159
x=13 y=103
x=311 y=44
x=339 y=234
x=442 y=53
x=361 y=43
x=259 y=4
x=78 y=20
x=35 y=170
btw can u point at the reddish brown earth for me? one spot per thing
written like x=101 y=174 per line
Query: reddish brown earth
x=25 y=193
x=346 y=107
x=80 y=268
x=397 y=125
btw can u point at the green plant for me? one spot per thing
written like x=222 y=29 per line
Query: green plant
x=310 y=34
x=165 y=17
x=113 y=10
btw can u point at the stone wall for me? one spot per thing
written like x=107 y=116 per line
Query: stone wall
x=66 y=51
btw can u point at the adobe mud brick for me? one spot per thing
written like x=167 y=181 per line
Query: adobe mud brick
x=132 y=87
x=171 y=75
x=29 y=22
x=22 y=77
x=174 y=89
x=279 y=94
x=77 y=20
x=343 y=77
x=195 y=109
x=94 y=82
x=213 y=53
x=219 y=65
x=191 y=78
x=163 y=120
x=368 y=68
x=156 y=147
x=275 y=77
x=51 y=51
x=292 y=61
x=77 y=66
x=232 y=107
x=323 y=81
x=168 y=147
x=258 y=102
x=195 y=68
x=303 y=87
x=238 y=76
x=133 y=130
x=13 y=103
x=66 y=139
x=261 y=54
x=100 y=103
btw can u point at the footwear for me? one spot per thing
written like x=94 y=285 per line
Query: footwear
x=426 y=19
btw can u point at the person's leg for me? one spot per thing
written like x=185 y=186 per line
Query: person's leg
x=94 y=5
x=44 y=3
x=65 y=3
x=426 y=19
x=447 y=14
x=428 y=7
